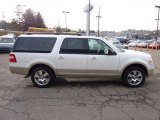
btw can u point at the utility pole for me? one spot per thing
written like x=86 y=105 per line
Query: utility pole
x=98 y=17
x=3 y=15
x=89 y=18
x=36 y=15
x=157 y=21
x=65 y=13
x=4 y=22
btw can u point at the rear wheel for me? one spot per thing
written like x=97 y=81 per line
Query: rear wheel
x=42 y=77
x=134 y=76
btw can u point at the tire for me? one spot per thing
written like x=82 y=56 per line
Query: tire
x=42 y=77
x=134 y=76
x=126 y=48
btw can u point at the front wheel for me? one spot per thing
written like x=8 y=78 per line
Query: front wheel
x=134 y=76
x=42 y=77
x=126 y=48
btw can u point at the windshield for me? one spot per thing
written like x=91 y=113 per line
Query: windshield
x=6 y=40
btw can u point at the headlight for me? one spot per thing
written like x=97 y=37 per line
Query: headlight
x=150 y=61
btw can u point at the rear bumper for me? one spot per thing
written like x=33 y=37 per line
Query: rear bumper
x=18 y=70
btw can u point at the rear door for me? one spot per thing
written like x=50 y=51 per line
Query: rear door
x=72 y=58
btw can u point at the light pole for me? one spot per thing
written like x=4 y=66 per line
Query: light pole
x=157 y=20
x=98 y=17
x=65 y=13
x=87 y=9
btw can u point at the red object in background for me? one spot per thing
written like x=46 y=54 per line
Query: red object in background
x=155 y=45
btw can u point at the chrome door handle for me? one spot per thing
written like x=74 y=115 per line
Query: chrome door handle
x=60 y=57
x=93 y=58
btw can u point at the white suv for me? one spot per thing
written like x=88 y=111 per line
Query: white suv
x=47 y=57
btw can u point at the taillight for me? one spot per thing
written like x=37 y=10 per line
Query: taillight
x=12 y=58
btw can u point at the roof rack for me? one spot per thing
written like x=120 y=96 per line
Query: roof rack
x=51 y=33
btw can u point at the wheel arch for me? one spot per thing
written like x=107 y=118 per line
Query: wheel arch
x=39 y=65
x=137 y=65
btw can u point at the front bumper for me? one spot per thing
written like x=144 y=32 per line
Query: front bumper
x=150 y=72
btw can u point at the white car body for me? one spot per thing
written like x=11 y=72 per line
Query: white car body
x=80 y=65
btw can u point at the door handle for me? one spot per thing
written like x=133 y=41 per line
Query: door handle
x=60 y=57
x=93 y=58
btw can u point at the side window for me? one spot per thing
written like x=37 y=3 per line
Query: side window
x=97 y=46
x=73 y=46
x=34 y=44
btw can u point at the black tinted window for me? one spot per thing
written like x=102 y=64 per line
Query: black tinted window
x=34 y=44
x=73 y=46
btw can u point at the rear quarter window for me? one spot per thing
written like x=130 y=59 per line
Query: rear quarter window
x=34 y=44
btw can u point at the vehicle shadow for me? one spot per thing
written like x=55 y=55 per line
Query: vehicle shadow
x=3 y=53
x=95 y=83
x=63 y=82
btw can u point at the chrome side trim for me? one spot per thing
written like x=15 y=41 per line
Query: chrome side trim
x=103 y=73
x=89 y=73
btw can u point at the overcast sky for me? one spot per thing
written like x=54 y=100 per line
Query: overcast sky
x=116 y=15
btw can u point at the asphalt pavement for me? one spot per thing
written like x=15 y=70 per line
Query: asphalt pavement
x=21 y=100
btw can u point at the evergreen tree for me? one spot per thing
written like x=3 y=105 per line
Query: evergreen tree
x=40 y=21
x=29 y=19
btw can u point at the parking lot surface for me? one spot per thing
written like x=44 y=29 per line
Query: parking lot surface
x=20 y=100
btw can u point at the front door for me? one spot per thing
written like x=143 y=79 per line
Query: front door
x=99 y=63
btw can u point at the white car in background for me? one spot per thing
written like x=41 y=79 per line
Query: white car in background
x=151 y=41
x=6 y=43
x=118 y=44
x=134 y=43
x=143 y=44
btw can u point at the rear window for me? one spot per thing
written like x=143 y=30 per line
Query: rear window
x=34 y=44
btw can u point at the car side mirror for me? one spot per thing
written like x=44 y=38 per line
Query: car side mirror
x=106 y=51
x=109 y=52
